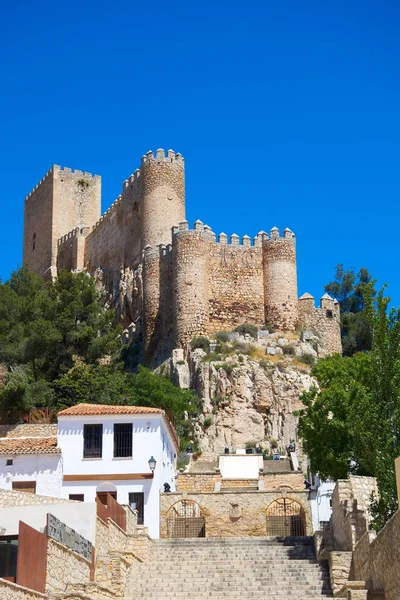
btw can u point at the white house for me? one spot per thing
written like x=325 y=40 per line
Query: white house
x=321 y=502
x=108 y=449
x=31 y=464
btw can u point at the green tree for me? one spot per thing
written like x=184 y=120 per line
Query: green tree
x=351 y=424
x=348 y=288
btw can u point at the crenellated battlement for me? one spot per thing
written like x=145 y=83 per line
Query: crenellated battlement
x=56 y=169
x=200 y=228
x=161 y=155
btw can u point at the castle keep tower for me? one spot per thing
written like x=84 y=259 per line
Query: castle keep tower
x=63 y=201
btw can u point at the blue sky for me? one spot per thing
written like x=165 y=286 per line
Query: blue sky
x=287 y=114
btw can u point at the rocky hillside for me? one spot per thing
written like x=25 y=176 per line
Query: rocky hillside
x=250 y=389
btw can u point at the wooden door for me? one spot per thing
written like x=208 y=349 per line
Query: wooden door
x=24 y=486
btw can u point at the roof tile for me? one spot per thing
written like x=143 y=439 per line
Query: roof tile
x=29 y=446
x=107 y=409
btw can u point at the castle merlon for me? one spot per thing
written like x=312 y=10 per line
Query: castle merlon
x=234 y=240
x=161 y=155
x=57 y=169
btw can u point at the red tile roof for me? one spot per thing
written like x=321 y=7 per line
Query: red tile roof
x=107 y=409
x=29 y=446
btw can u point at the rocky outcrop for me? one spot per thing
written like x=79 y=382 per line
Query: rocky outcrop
x=250 y=391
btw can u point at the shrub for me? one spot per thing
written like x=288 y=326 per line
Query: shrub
x=228 y=367
x=274 y=443
x=267 y=455
x=180 y=362
x=289 y=350
x=250 y=444
x=247 y=328
x=200 y=342
x=222 y=336
x=208 y=422
x=307 y=358
x=183 y=461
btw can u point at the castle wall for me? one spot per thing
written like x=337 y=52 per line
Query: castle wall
x=236 y=284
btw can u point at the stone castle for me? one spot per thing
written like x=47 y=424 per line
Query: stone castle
x=168 y=283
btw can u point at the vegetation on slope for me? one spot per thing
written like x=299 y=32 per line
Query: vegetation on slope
x=61 y=347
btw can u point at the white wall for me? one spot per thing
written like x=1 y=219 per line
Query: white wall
x=151 y=437
x=80 y=516
x=235 y=466
x=320 y=497
x=45 y=469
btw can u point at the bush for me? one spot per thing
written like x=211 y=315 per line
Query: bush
x=200 y=342
x=208 y=422
x=183 y=461
x=308 y=358
x=274 y=443
x=222 y=336
x=247 y=329
x=267 y=455
x=250 y=444
x=228 y=367
x=289 y=350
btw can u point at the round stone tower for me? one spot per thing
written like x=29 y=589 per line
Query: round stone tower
x=190 y=269
x=280 y=280
x=162 y=182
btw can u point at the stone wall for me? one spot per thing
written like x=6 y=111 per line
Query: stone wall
x=64 y=565
x=206 y=482
x=28 y=430
x=233 y=514
x=63 y=201
x=376 y=559
x=14 y=498
x=12 y=591
x=325 y=321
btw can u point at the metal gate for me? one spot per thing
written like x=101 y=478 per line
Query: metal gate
x=185 y=521
x=285 y=517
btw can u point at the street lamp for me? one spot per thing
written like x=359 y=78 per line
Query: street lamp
x=152 y=464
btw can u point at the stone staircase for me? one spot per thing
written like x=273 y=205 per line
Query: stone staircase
x=230 y=568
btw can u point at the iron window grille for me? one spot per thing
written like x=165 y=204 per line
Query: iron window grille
x=122 y=440
x=92 y=441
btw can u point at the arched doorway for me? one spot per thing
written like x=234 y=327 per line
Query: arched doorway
x=184 y=520
x=104 y=488
x=285 y=517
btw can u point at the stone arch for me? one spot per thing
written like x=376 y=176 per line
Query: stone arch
x=285 y=516
x=185 y=519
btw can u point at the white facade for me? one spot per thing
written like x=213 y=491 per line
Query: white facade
x=151 y=438
x=240 y=466
x=44 y=469
x=80 y=516
x=320 y=498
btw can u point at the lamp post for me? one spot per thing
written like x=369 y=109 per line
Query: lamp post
x=152 y=464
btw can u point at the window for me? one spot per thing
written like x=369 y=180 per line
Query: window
x=92 y=441
x=24 y=486
x=329 y=314
x=79 y=497
x=136 y=502
x=9 y=462
x=122 y=440
x=34 y=241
